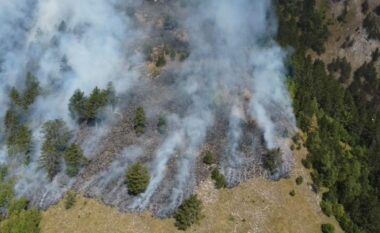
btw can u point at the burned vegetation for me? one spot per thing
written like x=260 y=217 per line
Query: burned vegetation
x=193 y=103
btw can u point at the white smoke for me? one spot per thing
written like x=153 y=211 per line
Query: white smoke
x=113 y=177
x=232 y=50
x=271 y=97
x=82 y=44
x=233 y=160
x=67 y=45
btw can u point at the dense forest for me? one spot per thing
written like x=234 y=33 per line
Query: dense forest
x=341 y=119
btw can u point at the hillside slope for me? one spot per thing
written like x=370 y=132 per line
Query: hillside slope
x=258 y=206
x=348 y=37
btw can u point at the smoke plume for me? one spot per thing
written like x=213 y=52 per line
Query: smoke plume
x=234 y=74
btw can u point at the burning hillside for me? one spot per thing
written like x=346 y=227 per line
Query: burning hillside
x=90 y=88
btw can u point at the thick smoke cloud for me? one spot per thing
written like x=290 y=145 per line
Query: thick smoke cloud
x=232 y=52
x=235 y=71
x=67 y=45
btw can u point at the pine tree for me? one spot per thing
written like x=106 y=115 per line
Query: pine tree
x=29 y=95
x=32 y=90
x=75 y=159
x=96 y=101
x=140 y=120
x=77 y=104
x=14 y=95
x=23 y=140
x=111 y=95
x=137 y=179
x=11 y=120
x=88 y=109
x=188 y=213
x=56 y=139
x=19 y=141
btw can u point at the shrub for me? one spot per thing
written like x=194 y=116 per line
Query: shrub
x=326 y=207
x=220 y=180
x=137 y=178
x=140 y=121
x=17 y=205
x=273 y=160
x=3 y=172
x=338 y=210
x=327 y=228
x=292 y=193
x=27 y=221
x=188 y=213
x=70 y=199
x=299 y=180
x=209 y=158
x=6 y=194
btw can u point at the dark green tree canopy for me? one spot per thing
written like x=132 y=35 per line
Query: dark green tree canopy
x=188 y=213
x=137 y=178
x=89 y=108
x=18 y=135
x=56 y=139
x=75 y=159
x=29 y=94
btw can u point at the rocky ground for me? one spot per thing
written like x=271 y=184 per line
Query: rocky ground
x=348 y=39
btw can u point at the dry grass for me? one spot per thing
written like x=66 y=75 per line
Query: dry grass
x=89 y=216
x=256 y=206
